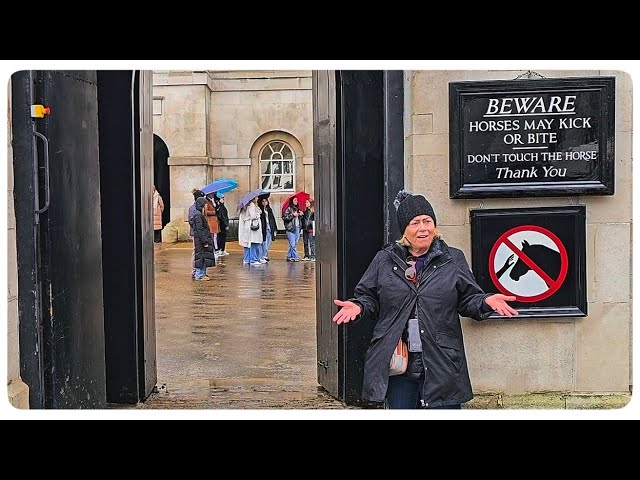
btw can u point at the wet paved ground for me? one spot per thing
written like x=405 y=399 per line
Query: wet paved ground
x=244 y=340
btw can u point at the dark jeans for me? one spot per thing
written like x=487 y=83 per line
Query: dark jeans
x=309 y=241
x=405 y=393
x=222 y=239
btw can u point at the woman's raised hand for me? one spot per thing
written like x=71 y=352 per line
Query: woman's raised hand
x=348 y=312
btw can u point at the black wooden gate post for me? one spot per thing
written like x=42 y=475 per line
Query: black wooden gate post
x=358 y=148
x=126 y=173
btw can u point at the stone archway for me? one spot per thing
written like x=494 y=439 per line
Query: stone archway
x=161 y=175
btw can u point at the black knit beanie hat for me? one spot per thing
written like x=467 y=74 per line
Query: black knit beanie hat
x=410 y=206
x=197 y=194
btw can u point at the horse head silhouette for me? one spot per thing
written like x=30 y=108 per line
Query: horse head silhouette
x=544 y=257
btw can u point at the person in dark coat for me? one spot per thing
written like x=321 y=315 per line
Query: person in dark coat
x=223 y=218
x=416 y=289
x=269 y=226
x=191 y=212
x=203 y=241
x=308 y=237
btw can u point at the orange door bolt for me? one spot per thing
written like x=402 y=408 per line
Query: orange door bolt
x=39 y=111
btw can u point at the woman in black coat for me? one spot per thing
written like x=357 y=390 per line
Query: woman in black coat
x=308 y=237
x=223 y=218
x=203 y=241
x=269 y=226
x=416 y=289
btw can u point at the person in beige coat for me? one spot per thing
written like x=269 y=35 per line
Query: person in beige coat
x=158 y=208
x=250 y=240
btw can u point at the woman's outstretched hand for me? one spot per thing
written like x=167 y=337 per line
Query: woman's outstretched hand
x=498 y=303
x=348 y=312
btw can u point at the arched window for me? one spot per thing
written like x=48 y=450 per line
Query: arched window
x=277 y=162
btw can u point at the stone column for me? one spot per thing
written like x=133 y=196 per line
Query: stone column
x=185 y=173
x=18 y=392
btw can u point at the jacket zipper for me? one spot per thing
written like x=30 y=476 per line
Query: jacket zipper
x=424 y=365
x=435 y=267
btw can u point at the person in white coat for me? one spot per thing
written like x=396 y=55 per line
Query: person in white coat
x=249 y=239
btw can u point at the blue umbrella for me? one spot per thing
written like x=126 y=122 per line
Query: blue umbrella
x=221 y=185
x=246 y=200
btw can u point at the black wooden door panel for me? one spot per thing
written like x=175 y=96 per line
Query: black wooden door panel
x=324 y=147
x=74 y=362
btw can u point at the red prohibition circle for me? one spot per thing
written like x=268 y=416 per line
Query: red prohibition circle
x=557 y=283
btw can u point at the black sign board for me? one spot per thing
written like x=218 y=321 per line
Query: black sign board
x=522 y=138
x=537 y=255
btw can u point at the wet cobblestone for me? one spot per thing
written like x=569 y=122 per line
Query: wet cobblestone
x=244 y=340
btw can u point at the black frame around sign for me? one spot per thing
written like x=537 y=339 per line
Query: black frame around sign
x=568 y=224
x=599 y=181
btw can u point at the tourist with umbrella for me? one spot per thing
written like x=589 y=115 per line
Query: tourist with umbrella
x=214 y=191
x=211 y=213
x=269 y=226
x=292 y=218
x=223 y=219
x=301 y=196
x=250 y=229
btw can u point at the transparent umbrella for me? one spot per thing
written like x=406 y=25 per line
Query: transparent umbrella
x=246 y=200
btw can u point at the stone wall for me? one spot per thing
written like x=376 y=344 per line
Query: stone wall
x=590 y=354
x=215 y=124
x=18 y=392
